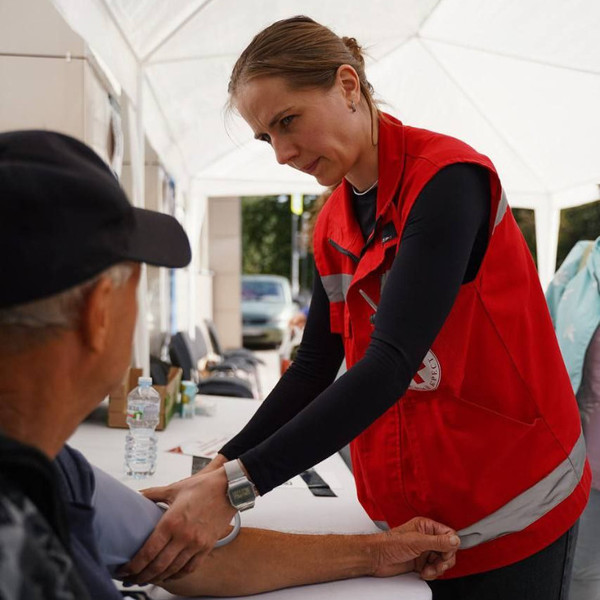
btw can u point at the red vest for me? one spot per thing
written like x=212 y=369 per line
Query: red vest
x=487 y=438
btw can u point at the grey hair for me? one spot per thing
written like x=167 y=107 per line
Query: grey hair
x=63 y=310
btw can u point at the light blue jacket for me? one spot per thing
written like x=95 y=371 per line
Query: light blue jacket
x=574 y=301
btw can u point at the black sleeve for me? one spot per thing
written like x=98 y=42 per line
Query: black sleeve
x=316 y=364
x=445 y=237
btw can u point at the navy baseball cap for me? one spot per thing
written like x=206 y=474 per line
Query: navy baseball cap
x=64 y=218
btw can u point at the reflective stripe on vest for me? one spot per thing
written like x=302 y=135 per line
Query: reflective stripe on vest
x=502 y=206
x=336 y=286
x=532 y=504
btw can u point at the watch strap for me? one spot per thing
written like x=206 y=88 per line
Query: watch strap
x=234 y=470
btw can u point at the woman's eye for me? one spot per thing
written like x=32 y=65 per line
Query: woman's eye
x=265 y=137
x=286 y=121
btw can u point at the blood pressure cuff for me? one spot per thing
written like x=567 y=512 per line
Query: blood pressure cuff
x=123 y=521
x=77 y=484
x=108 y=522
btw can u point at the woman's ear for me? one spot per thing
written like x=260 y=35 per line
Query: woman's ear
x=349 y=82
x=97 y=314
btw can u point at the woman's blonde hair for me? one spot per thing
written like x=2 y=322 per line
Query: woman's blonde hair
x=302 y=52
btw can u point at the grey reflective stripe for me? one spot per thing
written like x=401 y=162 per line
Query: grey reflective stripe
x=336 y=286
x=532 y=504
x=502 y=206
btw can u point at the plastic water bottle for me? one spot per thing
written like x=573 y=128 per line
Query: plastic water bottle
x=143 y=406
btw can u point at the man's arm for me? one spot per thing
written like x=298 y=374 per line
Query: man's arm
x=260 y=560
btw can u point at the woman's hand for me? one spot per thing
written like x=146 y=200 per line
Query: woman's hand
x=420 y=545
x=199 y=514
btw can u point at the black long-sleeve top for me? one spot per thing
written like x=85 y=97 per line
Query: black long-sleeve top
x=309 y=416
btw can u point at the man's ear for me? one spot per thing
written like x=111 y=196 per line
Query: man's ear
x=97 y=315
x=349 y=81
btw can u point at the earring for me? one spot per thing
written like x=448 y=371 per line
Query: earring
x=352 y=106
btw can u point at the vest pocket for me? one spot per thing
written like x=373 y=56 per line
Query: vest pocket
x=471 y=460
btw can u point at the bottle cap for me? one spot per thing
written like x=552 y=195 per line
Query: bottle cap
x=144 y=381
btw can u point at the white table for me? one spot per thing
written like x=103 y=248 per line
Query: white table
x=287 y=508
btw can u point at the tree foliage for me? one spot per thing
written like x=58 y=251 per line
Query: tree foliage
x=525 y=219
x=267 y=238
x=577 y=223
x=266 y=235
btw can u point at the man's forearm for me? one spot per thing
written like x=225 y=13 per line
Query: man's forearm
x=261 y=560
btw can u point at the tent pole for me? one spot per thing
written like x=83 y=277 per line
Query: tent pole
x=547 y=225
x=141 y=346
x=193 y=229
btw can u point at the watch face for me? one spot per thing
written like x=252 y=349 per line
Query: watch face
x=241 y=494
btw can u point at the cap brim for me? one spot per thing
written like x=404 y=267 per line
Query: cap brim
x=158 y=239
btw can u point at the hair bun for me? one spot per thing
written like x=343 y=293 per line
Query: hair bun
x=355 y=49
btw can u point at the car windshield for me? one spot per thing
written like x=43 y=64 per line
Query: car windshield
x=262 y=291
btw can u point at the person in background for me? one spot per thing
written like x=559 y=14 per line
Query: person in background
x=456 y=400
x=574 y=301
x=71 y=246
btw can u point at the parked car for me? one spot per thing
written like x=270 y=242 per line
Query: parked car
x=267 y=308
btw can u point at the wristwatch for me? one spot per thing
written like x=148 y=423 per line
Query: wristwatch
x=240 y=489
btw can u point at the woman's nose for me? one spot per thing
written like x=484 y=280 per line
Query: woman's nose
x=285 y=151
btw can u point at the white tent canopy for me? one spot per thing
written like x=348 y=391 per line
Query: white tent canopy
x=520 y=81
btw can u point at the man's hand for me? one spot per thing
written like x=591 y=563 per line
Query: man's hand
x=199 y=514
x=420 y=545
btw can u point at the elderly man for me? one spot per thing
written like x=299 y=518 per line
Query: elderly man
x=71 y=247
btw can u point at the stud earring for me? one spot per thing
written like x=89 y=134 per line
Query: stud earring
x=352 y=106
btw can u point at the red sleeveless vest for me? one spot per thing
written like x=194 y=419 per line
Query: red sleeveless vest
x=487 y=438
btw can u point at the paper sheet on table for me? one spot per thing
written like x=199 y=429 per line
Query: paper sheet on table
x=207 y=447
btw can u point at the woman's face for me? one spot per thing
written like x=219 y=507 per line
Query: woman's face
x=310 y=129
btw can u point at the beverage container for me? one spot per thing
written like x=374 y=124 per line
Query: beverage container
x=143 y=407
x=188 y=397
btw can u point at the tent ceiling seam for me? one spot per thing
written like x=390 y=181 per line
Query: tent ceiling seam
x=482 y=114
x=176 y=30
x=509 y=55
x=591 y=182
x=412 y=36
x=120 y=30
x=429 y=15
x=235 y=55
x=400 y=45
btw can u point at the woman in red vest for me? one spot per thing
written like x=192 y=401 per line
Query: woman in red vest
x=456 y=400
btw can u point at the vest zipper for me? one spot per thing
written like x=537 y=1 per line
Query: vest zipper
x=355 y=258
x=370 y=238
